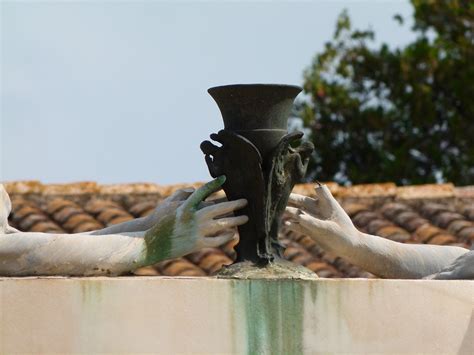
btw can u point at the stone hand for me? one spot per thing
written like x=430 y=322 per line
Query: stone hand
x=189 y=228
x=461 y=268
x=5 y=208
x=169 y=205
x=322 y=218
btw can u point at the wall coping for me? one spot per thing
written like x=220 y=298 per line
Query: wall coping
x=208 y=315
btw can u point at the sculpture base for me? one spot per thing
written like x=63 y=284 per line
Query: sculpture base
x=277 y=269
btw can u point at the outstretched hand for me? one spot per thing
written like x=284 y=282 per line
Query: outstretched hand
x=189 y=228
x=5 y=208
x=169 y=205
x=322 y=218
x=461 y=268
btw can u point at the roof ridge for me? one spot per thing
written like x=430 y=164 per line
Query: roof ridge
x=372 y=190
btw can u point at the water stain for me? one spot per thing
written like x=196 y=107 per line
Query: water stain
x=272 y=316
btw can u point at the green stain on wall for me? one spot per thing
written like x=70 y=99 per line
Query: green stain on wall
x=91 y=292
x=272 y=315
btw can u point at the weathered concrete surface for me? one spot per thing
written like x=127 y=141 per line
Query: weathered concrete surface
x=206 y=315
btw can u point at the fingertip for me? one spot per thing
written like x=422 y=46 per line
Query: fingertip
x=221 y=180
x=242 y=219
x=322 y=191
x=242 y=202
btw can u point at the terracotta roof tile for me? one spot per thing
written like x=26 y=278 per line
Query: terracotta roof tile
x=87 y=227
x=180 y=267
x=79 y=188
x=430 y=209
x=97 y=205
x=214 y=262
x=24 y=211
x=119 y=219
x=377 y=224
x=28 y=216
x=46 y=227
x=143 y=208
x=390 y=210
x=127 y=189
x=78 y=220
x=353 y=208
x=31 y=220
x=467 y=234
x=394 y=233
x=468 y=211
x=111 y=213
x=362 y=219
x=425 y=232
x=64 y=214
x=456 y=226
x=23 y=187
x=71 y=216
x=464 y=192
x=414 y=214
x=413 y=224
x=405 y=217
x=444 y=219
x=58 y=204
x=147 y=271
x=443 y=239
x=368 y=191
x=427 y=192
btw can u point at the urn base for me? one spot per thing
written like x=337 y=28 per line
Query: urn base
x=276 y=269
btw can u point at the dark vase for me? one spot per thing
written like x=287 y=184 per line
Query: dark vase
x=258 y=157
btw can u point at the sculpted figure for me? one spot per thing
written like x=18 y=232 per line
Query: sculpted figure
x=179 y=226
x=324 y=220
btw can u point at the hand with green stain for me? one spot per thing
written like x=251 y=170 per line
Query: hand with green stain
x=326 y=222
x=190 y=229
x=163 y=209
x=183 y=224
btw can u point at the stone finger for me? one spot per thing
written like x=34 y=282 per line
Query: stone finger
x=217 y=225
x=221 y=209
x=305 y=202
x=217 y=241
x=180 y=195
x=203 y=192
x=208 y=148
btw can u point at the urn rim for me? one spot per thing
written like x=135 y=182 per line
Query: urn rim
x=214 y=89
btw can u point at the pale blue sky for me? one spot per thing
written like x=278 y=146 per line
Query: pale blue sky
x=116 y=91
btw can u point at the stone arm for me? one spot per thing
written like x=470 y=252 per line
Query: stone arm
x=324 y=220
x=181 y=231
x=169 y=205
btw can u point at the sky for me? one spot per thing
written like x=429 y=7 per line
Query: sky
x=116 y=92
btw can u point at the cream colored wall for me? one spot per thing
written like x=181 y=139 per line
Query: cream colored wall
x=206 y=315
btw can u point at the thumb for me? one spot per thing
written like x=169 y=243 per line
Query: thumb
x=327 y=204
x=180 y=195
x=307 y=221
x=203 y=192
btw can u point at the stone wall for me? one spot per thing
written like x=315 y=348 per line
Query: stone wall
x=207 y=315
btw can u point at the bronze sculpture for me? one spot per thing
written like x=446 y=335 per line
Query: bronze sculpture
x=258 y=157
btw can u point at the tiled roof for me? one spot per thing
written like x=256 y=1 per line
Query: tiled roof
x=432 y=214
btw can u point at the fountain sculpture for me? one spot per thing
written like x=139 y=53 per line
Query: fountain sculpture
x=260 y=160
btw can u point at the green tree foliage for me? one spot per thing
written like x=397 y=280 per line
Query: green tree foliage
x=406 y=115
